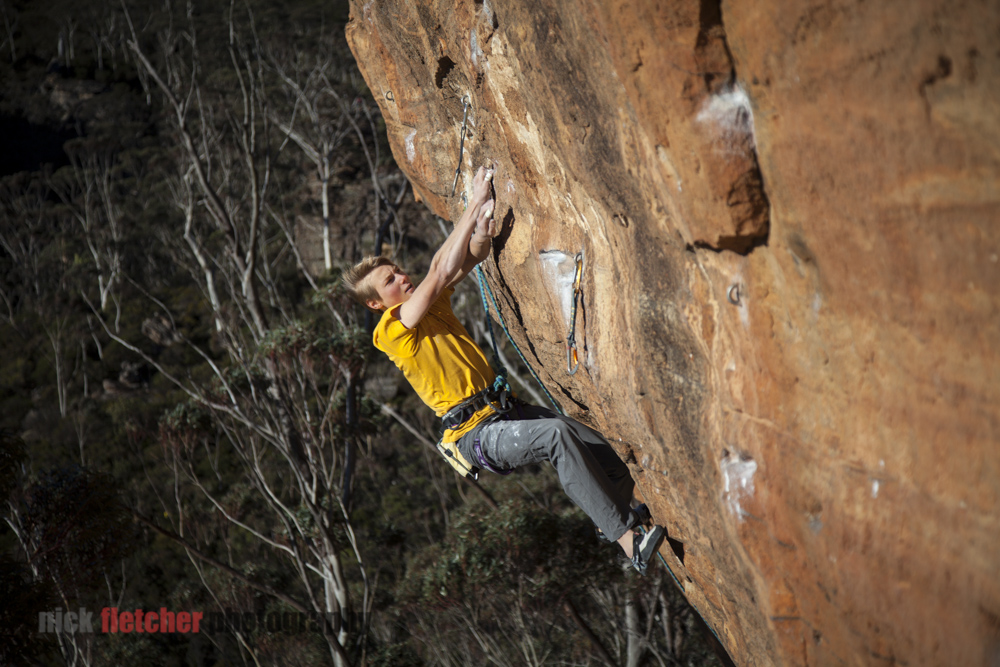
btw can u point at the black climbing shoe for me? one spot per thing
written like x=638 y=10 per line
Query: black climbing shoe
x=644 y=547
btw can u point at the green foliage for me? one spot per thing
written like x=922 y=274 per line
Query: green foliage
x=185 y=417
x=394 y=655
x=13 y=454
x=78 y=526
x=23 y=600
x=305 y=339
x=518 y=546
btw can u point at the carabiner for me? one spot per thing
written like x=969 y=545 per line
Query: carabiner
x=461 y=144
x=572 y=356
x=579 y=274
x=572 y=359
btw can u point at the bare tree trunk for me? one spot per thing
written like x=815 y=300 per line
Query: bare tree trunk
x=633 y=634
x=325 y=195
x=10 y=25
x=588 y=633
x=54 y=331
x=668 y=622
x=350 y=441
x=185 y=201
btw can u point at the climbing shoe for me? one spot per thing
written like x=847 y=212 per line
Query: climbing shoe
x=644 y=547
x=643 y=518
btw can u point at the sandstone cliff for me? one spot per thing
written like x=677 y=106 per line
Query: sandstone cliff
x=790 y=215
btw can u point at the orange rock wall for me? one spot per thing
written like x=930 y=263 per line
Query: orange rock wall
x=790 y=216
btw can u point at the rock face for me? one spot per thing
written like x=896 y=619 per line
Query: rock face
x=790 y=219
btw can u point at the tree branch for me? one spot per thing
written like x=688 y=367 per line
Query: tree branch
x=263 y=588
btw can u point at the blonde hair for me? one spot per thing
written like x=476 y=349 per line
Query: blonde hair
x=355 y=279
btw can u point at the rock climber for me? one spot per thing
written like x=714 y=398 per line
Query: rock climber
x=448 y=370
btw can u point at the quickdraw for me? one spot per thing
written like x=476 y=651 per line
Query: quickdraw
x=461 y=144
x=572 y=356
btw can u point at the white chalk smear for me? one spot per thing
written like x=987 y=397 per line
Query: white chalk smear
x=875 y=485
x=737 y=475
x=488 y=12
x=559 y=270
x=411 y=152
x=730 y=114
x=474 y=49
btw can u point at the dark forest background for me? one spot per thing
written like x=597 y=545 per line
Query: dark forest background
x=192 y=414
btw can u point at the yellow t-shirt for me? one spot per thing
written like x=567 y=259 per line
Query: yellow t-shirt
x=439 y=359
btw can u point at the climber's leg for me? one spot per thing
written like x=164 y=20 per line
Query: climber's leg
x=589 y=470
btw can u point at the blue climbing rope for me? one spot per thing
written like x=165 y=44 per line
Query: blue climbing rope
x=484 y=289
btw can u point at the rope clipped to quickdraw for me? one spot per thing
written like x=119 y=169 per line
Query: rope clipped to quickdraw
x=501 y=382
x=484 y=290
x=572 y=356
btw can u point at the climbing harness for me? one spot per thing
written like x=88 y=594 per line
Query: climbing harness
x=461 y=144
x=497 y=396
x=478 y=448
x=572 y=357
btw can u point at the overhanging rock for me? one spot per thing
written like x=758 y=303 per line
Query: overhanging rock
x=790 y=214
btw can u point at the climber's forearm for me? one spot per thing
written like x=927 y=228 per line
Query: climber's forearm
x=453 y=255
x=479 y=249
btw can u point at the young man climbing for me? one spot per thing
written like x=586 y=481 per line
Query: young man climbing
x=421 y=335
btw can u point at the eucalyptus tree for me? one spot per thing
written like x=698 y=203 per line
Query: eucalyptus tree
x=272 y=404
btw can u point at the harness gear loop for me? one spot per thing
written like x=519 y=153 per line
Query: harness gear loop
x=572 y=357
x=461 y=144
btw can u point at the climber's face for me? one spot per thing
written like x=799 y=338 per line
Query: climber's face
x=393 y=286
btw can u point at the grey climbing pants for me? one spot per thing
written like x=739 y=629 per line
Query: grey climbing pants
x=589 y=469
